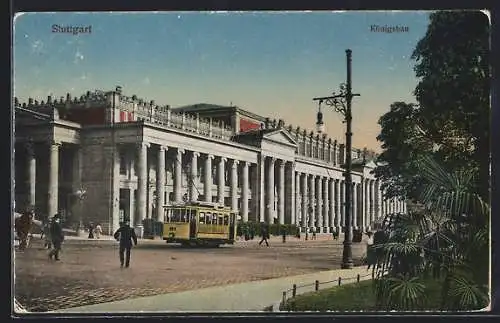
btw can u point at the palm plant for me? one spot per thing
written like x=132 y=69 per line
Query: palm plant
x=444 y=239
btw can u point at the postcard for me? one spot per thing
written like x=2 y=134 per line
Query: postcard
x=244 y=162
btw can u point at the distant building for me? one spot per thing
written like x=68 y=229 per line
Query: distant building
x=133 y=157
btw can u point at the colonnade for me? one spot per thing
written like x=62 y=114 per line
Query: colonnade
x=279 y=192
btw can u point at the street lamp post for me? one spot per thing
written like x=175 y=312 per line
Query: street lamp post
x=80 y=195
x=341 y=103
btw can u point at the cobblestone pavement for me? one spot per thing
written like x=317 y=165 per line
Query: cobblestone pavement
x=89 y=272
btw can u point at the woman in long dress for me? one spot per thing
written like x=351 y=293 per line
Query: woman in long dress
x=371 y=257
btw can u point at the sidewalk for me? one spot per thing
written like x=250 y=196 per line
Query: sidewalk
x=244 y=297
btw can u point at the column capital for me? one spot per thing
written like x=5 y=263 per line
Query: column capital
x=235 y=162
x=30 y=148
x=282 y=163
x=195 y=154
x=180 y=151
x=55 y=143
x=210 y=156
x=143 y=144
x=222 y=159
x=162 y=148
x=272 y=159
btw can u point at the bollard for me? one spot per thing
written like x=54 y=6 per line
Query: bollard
x=340 y=280
x=358 y=278
x=316 y=285
x=284 y=298
x=294 y=290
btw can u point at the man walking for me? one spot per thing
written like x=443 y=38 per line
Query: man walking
x=265 y=234
x=57 y=237
x=125 y=234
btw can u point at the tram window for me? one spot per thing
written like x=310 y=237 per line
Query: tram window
x=202 y=217
x=214 y=218
x=193 y=215
x=208 y=218
x=185 y=215
x=220 y=219
x=226 y=219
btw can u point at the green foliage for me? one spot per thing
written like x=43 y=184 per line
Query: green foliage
x=274 y=229
x=452 y=120
x=362 y=297
x=447 y=238
x=401 y=292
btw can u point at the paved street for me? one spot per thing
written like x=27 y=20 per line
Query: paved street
x=89 y=272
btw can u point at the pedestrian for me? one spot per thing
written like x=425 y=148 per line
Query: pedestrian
x=46 y=235
x=335 y=233
x=91 y=230
x=98 y=231
x=125 y=234
x=370 y=252
x=57 y=237
x=314 y=232
x=283 y=233
x=265 y=234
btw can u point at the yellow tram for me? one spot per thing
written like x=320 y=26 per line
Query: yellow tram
x=199 y=223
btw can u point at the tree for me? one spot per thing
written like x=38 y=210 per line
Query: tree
x=452 y=62
x=445 y=242
x=452 y=118
x=402 y=143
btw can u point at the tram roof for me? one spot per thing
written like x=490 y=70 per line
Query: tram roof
x=198 y=204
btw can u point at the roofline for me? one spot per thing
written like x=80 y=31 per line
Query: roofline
x=39 y=115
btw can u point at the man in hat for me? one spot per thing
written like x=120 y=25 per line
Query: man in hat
x=57 y=237
x=125 y=234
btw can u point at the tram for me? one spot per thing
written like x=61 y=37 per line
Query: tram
x=199 y=224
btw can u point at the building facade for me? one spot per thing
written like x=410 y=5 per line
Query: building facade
x=130 y=158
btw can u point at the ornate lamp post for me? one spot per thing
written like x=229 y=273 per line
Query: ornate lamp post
x=341 y=103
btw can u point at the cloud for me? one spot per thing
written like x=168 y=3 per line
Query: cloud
x=78 y=57
x=37 y=47
x=146 y=81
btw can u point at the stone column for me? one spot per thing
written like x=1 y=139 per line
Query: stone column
x=193 y=191
x=312 y=197
x=244 y=192
x=234 y=185
x=281 y=192
x=378 y=197
x=326 y=206
x=372 y=203
x=319 y=204
x=293 y=188
x=178 y=176
x=366 y=208
x=53 y=187
x=270 y=190
x=338 y=203
x=304 y=214
x=30 y=147
x=131 y=205
x=160 y=183
x=207 y=187
x=332 y=202
x=220 y=181
x=262 y=179
x=297 y=196
x=354 y=195
x=142 y=182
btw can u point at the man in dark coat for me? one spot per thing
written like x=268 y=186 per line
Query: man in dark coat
x=57 y=237
x=265 y=234
x=125 y=234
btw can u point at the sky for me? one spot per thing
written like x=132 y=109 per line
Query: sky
x=269 y=63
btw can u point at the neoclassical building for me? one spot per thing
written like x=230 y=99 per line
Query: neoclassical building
x=132 y=157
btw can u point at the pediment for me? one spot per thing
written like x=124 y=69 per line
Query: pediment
x=280 y=136
x=371 y=164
